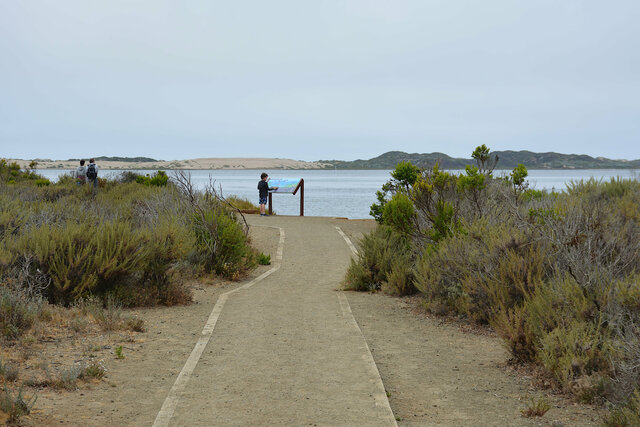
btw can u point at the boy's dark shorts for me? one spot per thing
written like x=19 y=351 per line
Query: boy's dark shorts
x=263 y=200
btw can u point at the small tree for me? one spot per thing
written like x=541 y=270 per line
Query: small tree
x=486 y=164
x=402 y=179
x=517 y=178
x=471 y=185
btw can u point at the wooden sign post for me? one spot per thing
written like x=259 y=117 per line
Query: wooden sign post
x=290 y=186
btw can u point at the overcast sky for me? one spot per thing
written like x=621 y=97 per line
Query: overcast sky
x=317 y=79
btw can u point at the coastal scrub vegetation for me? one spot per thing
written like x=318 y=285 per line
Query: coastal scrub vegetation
x=554 y=273
x=64 y=242
x=133 y=242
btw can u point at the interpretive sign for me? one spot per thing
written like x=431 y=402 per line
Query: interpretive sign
x=285 y=185
x=290 y=186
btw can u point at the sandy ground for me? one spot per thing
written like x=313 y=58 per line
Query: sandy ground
x=203 y=163
x=284 y=353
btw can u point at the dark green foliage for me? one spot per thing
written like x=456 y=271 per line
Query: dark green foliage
x=264 y=259
x=518 y=175
x=10 y=173
x=405 y=174
x=222 y=243
x=486 y=162
x=159 y=179
x=555 y=274
x=437 y=200
x=399 y=213
x=402 y=179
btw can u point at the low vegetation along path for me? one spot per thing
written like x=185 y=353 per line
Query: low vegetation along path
x=287 y=347
x=284 y=349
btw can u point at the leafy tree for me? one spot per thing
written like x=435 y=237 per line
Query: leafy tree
x=517 y=178
x=402 y=179
x=405 y=174
x=486 y=164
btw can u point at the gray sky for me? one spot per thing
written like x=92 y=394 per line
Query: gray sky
x=318 y=79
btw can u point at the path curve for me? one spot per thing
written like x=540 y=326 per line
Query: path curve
x=284 y=348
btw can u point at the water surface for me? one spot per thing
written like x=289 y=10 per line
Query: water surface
x=345 y=193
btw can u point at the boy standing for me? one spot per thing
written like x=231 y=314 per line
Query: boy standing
x=263 y=192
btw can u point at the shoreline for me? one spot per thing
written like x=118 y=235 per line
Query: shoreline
x=237 y=163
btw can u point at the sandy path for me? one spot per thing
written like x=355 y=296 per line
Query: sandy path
x=286 y=352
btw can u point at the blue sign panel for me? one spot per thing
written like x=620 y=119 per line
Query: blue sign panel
x=284 y=185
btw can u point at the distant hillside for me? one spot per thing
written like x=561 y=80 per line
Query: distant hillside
x=508 y=160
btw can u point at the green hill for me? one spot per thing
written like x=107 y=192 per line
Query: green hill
x=507 y=160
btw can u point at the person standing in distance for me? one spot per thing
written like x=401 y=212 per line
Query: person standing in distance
x=263 y=192
x=81 y=173
x=92 y=172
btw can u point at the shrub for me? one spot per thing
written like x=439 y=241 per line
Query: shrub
x=403 y=177
x=93 y=370
x=555 y=274
x=383 y=258
x=15 y=406
x=264 y=259
x=576 y=350
x=222 y=244
x=537 y=408
x=69 y=378
x=399 y=278
x=107 y=315
x=398 y=213
x=8 y=372
x=159 y=179
x=18 y=311
x=79 y=257
x=627 y=415
x=134 y=324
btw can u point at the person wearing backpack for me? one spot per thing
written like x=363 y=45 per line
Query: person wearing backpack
x=92 y=173
x=80 y=174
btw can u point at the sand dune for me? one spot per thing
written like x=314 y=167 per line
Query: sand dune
x=202 y=163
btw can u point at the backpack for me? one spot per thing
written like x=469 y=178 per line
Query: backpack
x=92 y=173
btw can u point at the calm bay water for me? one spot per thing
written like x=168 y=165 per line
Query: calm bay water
x=345 y=193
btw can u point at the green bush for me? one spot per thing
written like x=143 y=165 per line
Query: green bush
x=403 y=177
x=222 y=244
x=384 y=259
x=555 y=274
x=398 y=213
x=159 y=179
x=127 y=240
x=264 y=259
